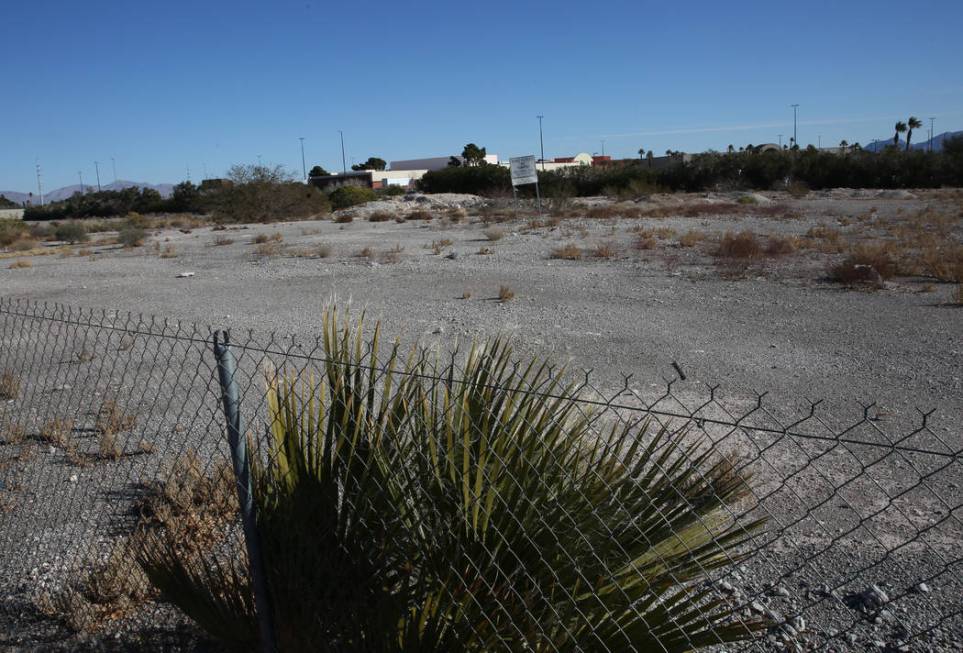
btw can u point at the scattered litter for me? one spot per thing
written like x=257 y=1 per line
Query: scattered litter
x=184 y=275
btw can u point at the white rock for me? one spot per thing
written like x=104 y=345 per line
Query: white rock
x=184 y=275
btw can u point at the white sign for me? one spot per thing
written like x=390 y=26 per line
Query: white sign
x=523 y=170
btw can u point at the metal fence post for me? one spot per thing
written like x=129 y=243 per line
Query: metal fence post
x=226 y=368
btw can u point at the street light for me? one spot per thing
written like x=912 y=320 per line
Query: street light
x=541 y=141
x=97 y=169
x=81 y=175
x=304 y=169
x=344 y=166
x=795 y=107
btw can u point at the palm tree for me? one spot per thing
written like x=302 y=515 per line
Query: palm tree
x=900 y=128
x=731 y=149
x=914 y=123
x=469 y=514
x=641 y=152
x=649 y=156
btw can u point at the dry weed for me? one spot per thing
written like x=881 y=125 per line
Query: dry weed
x=168 y=252
x=380 y=216
x=605 y=250
x=57 y=431
x=743 y=245
x=780 y=246
x=494 y=233
x=691 y=238
x=9 y=385
x=505 y=294
x=569 y=252
x=221 y=241
x=261 y=239
x=20 y=264
x=343 y=218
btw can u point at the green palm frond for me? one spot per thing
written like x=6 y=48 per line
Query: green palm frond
x=478 y=510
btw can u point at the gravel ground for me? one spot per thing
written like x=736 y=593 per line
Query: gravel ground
x=773 y=326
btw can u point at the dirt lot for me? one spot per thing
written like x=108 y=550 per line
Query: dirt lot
x=630 y=302
x=652 y=288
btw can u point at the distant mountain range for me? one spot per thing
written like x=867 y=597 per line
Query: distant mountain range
x=67 y=191
x=924 y=144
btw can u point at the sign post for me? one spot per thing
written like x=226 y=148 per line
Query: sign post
x=523 y=172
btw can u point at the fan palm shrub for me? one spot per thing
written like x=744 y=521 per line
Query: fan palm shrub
x=479 y=509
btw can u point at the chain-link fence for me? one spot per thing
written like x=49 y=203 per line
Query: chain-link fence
x=497 y=506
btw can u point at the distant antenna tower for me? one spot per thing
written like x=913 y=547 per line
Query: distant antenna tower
x=39 y=185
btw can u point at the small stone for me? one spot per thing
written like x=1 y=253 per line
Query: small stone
x=73 y=478
x=779 y=590
x=799 y=623
x=726 y=587
x=922 y=588
x=756 y=606
x=452 y=255
x=438 y=330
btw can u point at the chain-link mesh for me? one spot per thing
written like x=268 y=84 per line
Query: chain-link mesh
x=556 y=527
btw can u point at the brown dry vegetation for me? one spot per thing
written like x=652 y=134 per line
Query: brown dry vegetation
x=505 y=294
x=20 y=264
x=692 y=238
x=568 y=252
x=9 y=385
x=380 y=216
x=605 y=250
x=494 y=233
x=343 y=218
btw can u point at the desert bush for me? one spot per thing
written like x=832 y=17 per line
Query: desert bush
x=380 y=216
x=262 y=194
x=323 y=250
x=57 y=431
x=132 y=236
x=392 y=255
x=438 y=246
x=275 y=237
x=12 y=231
x=23 y=245
x=168 y=251
x=420 y=214
x=493 y=233
x=743 y=245
x=9 y=385
x=478 y=180
x=870 y=264
x=20 y=264
x=466 y=495
x=343 y=218
x=221 y=241
x=780 y=246
x=605 y=250
x=644 y=241
x=71 y=232
x=267 y=249
x=691 y=238
x=505 y=294
x=348 y=196
x=569 y=252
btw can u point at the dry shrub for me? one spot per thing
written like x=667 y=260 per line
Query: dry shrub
x=260 y=239
x=20 y=264
x=870 y=264
x=605 y=250
x=24 y=244
x=168 y=252
x=392 y=255
x=485 y=251
x=367 y=252
x=323 y=250
x=400 y=219
x=743 y=245
x=380 y=216
x=15 y=434
x=569 y=252
x=343 y=218
x=780 y=246
x=644 y=241
x=456 y=214
x=420 y=214
x=494 y=233
x=466 y=294
x=57 y=431
x=438 y=246
x=267 y=249
x=221 y=241
x=505 y=294
x=9 y=385
x=824 y=239
x=691 y=238
x=797 y=189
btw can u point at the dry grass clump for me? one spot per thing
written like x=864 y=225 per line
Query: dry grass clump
x=261 y=239
x=380 y=216
x=57 y=431
x=21 y=264
x=494 y=233
x=691 y=238
x=420 y=214
x=168 y=252
x=365 y=252
x=644 y=241
x=14 y=434
x=343 y=218
x=392 y=255
x=605 y=250
x=485 y=251
x=221 y=241
x=824 y=239
x=505 y=294
x=466 y=294
x=9 y=385
x=866 y=264
x=265 y=250
x=569 y=252
x=456 y=214
x=780 y=246
x=111 y=421
x=438 y=246
x=323 y=250
x=24 y=244
x=743 y=245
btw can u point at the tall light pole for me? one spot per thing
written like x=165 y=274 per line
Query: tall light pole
x=304 y=168
x=541 y=141
x=819 y=141
x=344 y=166
x=97 y=170
x=780 y=141
x=81 y=175
x=39 y=185
x=932 y=132
x=113 y=165
x=795 y=139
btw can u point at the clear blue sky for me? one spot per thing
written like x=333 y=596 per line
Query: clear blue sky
x=160 y=86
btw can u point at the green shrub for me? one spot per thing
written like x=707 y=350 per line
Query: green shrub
x=71 y=232
x=132 y=236
x=346 y=196
x=469 y=514
x=479 y=180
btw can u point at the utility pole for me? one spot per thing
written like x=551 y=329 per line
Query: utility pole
x=541 y=141
x=97 y=170
x=932 y=132
x=344 y=166
x=795 y=108
x=819 y=141
x=304 y=168
x=81 y=175
x=780 y=141
x=113 y=165
x=39 y=185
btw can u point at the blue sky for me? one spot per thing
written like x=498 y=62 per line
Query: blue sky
x=164 y=86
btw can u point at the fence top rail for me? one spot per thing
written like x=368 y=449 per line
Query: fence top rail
x=290 y=347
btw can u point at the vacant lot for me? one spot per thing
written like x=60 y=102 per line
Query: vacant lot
x=734 y=289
